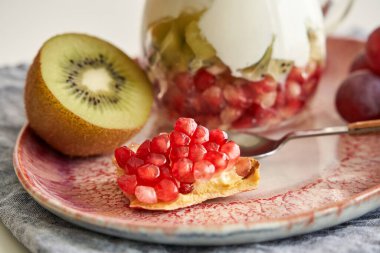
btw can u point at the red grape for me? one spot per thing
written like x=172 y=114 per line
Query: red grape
x=373 y=50
x=358 y=98
x=359 y=63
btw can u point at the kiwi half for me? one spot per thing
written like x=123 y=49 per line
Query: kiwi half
x=84 y=96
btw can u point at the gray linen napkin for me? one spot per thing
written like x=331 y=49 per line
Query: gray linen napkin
x=41 y=231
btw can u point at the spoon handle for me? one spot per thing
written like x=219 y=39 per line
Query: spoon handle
x=363 y=127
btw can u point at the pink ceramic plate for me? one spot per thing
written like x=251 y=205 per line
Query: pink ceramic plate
x=308 y=185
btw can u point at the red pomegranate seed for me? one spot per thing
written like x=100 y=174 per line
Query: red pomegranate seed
x=231 y=149
x=184 y=81
x=143 y=150
x=230 y=114
x=165 y=172
x=179 y=152
x=214 y=99
x=203 y=80
x=166 y=190
x=211 y=146
x=133 y=163
x=185 y=188
x=203 y=170
x=148 y=173
x=122 y=155
x=160 y=144
x=297 y=75
x=127 y=183
x=183 y=170
x=219 y=159
x=201 y=135
x=155 y=159
x=185 y=125
x=179 y=139
x=236 y=96
x=196 y=152
x=218 y=136
x=146 y=194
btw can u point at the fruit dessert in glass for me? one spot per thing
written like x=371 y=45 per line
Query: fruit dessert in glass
x=228 y=64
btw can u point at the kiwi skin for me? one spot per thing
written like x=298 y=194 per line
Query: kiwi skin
x=62 y=129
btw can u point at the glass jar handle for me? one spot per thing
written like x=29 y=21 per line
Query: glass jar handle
x=334 y=11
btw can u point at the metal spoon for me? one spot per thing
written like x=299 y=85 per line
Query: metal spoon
x=258 y=146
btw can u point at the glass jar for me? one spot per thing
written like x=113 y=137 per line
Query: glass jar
x=234 y=64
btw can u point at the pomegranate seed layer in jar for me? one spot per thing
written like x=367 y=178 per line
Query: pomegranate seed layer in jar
x=194 y=78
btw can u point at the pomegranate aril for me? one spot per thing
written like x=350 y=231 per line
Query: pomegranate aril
x=183 y=170
x=196 y=152
x=214 y=100
x=219 y=159
x=236 y=96
x=211 y=146
x=184 y=81
x=122 y=155
x=230 y=114
x=203 y=80
x=185 y=188
x=218 y=136
x=201 y=135
x=146 y=194
x=160 y=144
x=203 y=170
x=179 y=139
x=185 y=125
x=155 y=159
x=165 y=172
x=179 y=152
x=166 y=190
x=143 y=150
x=148 y=173
x=133 y=163
x=127 y=183
x=298 y=75
x=231 y=149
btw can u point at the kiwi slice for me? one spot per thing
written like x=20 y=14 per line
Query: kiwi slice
x=84 y=96
x=198 y=44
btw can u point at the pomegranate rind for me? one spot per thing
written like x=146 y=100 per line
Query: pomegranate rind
x=225 y=184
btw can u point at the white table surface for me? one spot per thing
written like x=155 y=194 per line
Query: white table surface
x=25 y=25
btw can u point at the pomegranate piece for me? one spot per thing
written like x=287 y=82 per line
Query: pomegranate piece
x=183 y=170
x=231 y=149
x=219 y=159
x=170 y=164
x=213 y=98
x=122 y=155
x=236 y=96
x=373 y=51
x=133 y=163
x=166 y=190
x=143 y=150
x=203 y=80
x=197 y=152
x=201 y=135
x=185 y=125
x=146 y=194
x=148 y=173
x=179 y=139
x=184 y=81
x=155 y=159
x=186 y=188
x=203 y=170
x=218 y=136
x=127 y=183
x=160 y=144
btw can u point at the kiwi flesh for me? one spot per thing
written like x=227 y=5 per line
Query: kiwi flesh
x=84 y=96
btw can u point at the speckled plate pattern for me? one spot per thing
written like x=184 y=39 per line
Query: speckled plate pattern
x=308 y=185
